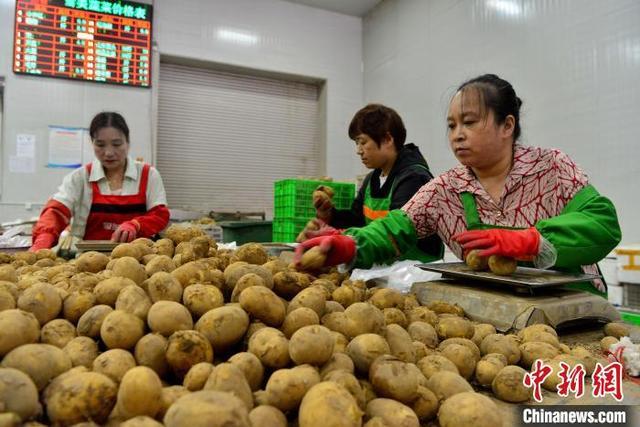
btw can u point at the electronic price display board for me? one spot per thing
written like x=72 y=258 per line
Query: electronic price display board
x=101 y=41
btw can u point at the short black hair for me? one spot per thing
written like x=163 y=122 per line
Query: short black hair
x=108 y=119
x=497 y=95
x=377 y=120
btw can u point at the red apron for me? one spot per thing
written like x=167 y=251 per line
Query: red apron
x=109 y=211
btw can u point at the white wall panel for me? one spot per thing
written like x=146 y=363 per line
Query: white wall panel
x=575 y=64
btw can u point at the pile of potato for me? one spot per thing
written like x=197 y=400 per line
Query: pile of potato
x=178 y=333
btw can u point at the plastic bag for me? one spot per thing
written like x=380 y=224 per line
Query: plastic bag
x=400 y=275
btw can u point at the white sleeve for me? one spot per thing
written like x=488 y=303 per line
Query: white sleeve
x=155 y=190
x=71 y=190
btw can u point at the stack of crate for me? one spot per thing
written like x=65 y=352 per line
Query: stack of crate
x=293 y=204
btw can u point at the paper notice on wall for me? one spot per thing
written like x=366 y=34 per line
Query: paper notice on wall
x=87 y=148
x=65 y=147
x=25 y=145
x=21 y=164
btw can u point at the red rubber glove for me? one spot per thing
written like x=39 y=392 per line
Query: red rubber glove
x=126 y=232
x=340 y=249
x=519 y=244
x=43 y=241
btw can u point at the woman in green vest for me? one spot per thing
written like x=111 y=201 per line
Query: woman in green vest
x=504 y=198
x=399 y=170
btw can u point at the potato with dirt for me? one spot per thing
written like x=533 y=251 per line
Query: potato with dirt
x=18 y=394
x=207 y=408
x=311 y=345
x=229 y=378
x=328 y=404
x=223 y=326
x=162 y=286
x=454 y=327
x=469 y=409
x=139 y=393
x=76 y=304
x=297 y=319
x=445 y=384
x=91 y=262
x=42 y=300
x=42 y=362
x=395 y=379
x=17 y=327
x=617 y=330
x=57 y=332
x=366 y=348
x=106 y=291
x=263 y=304
x=267 y=416
x=114 y=363
x=185 y=349
x=90 y=322
x=167 y=317
x=508 y=385
x=251 y=366
x=130 y=268
x=134 y=300
x=271 y=347
x=313 y=259
x=392 y=413
x=252 y=253
x=502 y=266
x=475 y=261
x=82 y=351
x=120 y=329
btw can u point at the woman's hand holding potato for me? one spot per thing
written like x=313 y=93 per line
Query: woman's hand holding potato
x=322 y=201
x=338 y=248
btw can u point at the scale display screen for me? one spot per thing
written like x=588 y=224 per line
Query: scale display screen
x=98 y=41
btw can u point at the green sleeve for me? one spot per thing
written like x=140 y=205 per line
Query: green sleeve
x=586 y=230
x=374 y=241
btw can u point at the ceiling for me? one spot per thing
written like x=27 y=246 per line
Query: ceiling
x=347 y=7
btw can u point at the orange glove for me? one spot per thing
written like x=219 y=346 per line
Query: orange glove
x=54 y=218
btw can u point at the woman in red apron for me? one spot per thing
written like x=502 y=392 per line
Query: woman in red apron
x=112 y=198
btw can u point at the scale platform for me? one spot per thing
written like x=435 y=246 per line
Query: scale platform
x=523 y=278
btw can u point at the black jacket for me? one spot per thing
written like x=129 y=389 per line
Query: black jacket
x=408 y=177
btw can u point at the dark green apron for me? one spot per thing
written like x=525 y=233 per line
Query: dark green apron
x=474 y=223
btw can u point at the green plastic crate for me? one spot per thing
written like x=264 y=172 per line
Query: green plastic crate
x=285 y=230
x=293 y=197
x=246 y=231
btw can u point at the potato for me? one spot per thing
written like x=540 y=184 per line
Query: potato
x=17 y=327
x=90 y=322
x=314 y=297
x=134 y=300
x=120 y=329
x=617 y=330
x=139 y=393
x=298 y=318
x=271 y=347
x=267 y=416
x=363 y=318
x=313 y=259
x=394 y=379
x=130 y=268
x=80 y=397
x=386 y=298
x=76 y=304
x=92 y=262
x=393 y=413
x=114 y=363
x=252 y=253
x=350 y=383
x=445 y=384
x=442 y=307
x=230 y=378
x=400 y=343
x=605 y=343
x=394 y=316
x=162 y=286
x=462 y=357
x=469 y=409
x=27 y=257
x=475 y=261
x=251 y=366
x=42 y=300
x=340 y=342
x=263 y=304
x=454 y=327
x=328 y=404
x=347 y=294
x=11 y=288
x=337 y=322
x=497 y=343
x=588 y=360
x=168 y=396
x=464 y=342
x=140 y=421
x=187 y=274
x=127 y=250
x=287 y=284
x=57 y=332
x=159 y=263
x=167 y=317
x=82 y=351
x=185 y=349
x=207 y=408
x=337 y=362
x=508 y=385
x=223 y=326
x=201 y=298
x=531 y=351
x=488 y=368
x=365 y=348
x=150 y=351
x=541 y=337
x=106 y=291
x=422 y=314
x=42 y=362
x=18 y=394
x=164 y=247
x=8 y=273
x=502 y=265
x=312 y=345
x=426 y=405
x=481 y=330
